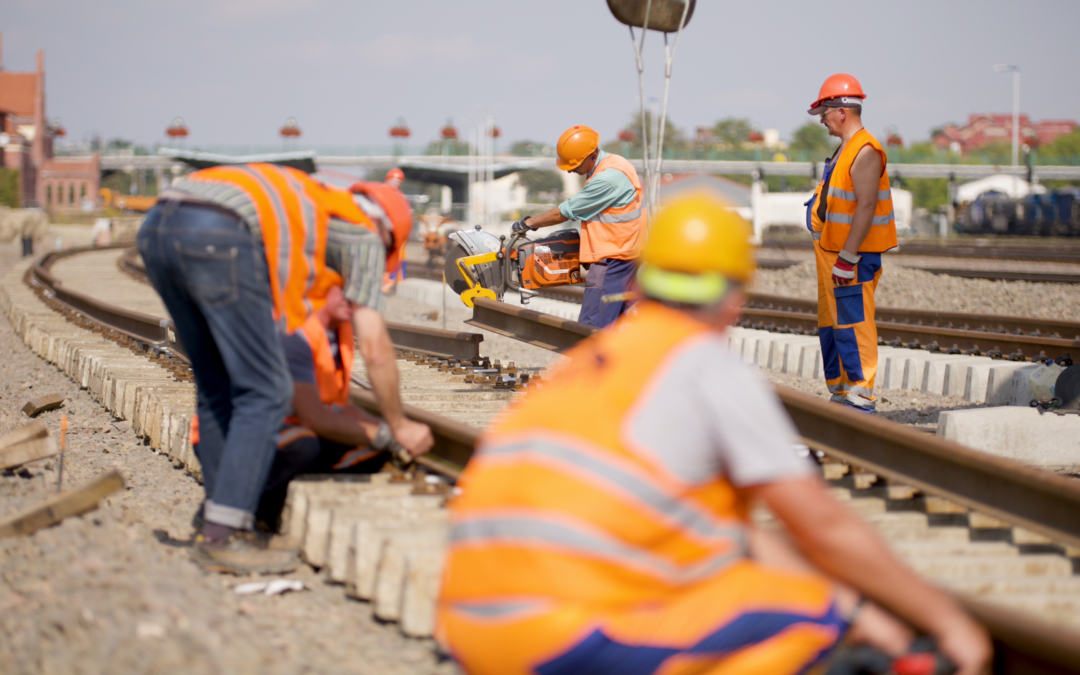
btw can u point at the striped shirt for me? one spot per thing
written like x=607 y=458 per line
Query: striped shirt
x=353 y=251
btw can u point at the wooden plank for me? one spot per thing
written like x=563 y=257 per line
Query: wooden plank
x=43 y=403
x=56 y=508
x=26 y=444
x=978 y=521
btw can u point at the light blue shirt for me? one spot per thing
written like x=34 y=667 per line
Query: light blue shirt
x=609 y=188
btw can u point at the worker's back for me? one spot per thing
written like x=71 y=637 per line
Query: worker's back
x=571 y=497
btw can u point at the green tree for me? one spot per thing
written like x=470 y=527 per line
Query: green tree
x=674 y=137
x=929 y=193
x=813 y=140
x=453 y=147
x=538 y=181
x=1067 y=146
x=732 y=132
x=528 y=148
x=9 y=187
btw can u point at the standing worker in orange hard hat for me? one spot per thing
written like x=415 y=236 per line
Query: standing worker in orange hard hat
x=612 y=216
x=852 y=222
x=603 y=525
x=394 y=177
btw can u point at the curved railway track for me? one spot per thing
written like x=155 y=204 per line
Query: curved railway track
x=982 y=526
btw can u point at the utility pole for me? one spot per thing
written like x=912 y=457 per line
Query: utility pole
x=1015 y=70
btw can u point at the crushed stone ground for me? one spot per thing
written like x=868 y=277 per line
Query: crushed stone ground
x=113 y=591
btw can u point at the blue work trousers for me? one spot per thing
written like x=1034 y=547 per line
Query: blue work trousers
x=213 y=279
x=606 y=277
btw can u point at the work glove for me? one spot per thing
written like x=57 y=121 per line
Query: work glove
x=843 y=272
x=519 y=226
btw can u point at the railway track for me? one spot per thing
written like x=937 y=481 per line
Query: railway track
x=974 y=248
x=999 y=337
x=981 y=526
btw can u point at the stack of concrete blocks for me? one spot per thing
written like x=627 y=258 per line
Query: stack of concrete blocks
x=131 y=387
x=383 y=543
x=977 y=379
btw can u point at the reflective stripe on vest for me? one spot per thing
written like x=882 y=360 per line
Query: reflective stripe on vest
x=558 y=504
x=617 y=231
x=840 y=203
x=294 y=212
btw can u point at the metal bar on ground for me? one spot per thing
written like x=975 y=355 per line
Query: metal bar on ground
x=435 y=341
x=536 y=328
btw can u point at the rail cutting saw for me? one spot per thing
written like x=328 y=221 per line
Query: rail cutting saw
x=481 y=265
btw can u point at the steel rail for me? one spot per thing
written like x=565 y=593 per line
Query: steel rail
x=1010 y=491
x=1018 y=338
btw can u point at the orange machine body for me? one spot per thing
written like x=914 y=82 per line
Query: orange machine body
x=554 y=260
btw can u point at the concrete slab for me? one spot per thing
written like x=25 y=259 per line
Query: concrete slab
x=1010 y=387
x=1047 y=440
x=976 y=385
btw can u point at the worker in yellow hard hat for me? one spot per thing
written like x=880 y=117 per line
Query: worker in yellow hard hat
x=612 y=216
x=603 y=523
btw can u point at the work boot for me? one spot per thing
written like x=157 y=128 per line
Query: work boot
x=243 y=553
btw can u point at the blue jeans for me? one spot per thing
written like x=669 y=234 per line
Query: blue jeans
x=213 y=279
x=606 y=277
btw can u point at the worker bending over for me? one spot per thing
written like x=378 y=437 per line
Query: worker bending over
x=612 y=215
x=325 y=432
x=239 y=253
x=603 y=524
x=851 y=219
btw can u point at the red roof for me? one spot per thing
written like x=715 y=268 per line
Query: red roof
x=17 y=93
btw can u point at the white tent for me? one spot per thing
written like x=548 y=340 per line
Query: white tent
x=1013 y=186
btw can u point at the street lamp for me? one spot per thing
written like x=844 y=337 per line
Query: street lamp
x=1015 y=70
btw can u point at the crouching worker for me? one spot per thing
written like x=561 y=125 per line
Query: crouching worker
x=325 y=433
x=603 y=524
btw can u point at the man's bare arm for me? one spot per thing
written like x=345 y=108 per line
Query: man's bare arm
x=866 y=172
x=326 y=423
x=373 y=341
x=849 y=550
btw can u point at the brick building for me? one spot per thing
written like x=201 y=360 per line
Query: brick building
x=53 y=183
x=984 y=129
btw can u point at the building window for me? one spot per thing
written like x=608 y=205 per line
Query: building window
x=82 y=193
x=71 y=194
x=48 y=195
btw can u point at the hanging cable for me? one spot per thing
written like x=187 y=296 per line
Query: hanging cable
x=669 y=57
x=638 y=48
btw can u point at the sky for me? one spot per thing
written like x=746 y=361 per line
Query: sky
x=235 y=70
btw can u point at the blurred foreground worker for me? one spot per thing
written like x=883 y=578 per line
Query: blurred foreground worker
x=612 y=215
x=603 y=525
x=852 y=222
x=325 y=433
x=239 y=253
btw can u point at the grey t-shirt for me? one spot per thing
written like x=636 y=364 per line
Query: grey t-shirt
x=710 y=414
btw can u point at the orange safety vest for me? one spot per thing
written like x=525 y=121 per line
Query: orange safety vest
x=618 y=231
x=294 y=212
x=333 y=382
x=560 y=504
x=831 y=219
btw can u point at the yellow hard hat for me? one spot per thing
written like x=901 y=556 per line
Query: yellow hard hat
x=575 y=144
x=696 y=246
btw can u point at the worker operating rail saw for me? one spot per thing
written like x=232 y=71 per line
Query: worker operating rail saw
x=613 y=223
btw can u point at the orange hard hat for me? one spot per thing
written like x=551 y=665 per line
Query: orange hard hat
x=575 y=144
x=397 y=211
x=395 y=174
x=839 y=91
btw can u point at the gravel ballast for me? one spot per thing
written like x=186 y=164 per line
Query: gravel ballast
x=915 y=289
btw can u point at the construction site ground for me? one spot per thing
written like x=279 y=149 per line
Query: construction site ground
x=114 y=591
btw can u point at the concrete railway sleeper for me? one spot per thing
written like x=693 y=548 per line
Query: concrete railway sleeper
x=382 y=537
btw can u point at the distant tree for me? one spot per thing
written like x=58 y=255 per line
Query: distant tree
x=119 y=144
x=528 y=148
x=1063 y=146
x=453 y=147
x=929 y=193
x=674 y=137
x=813 y=139
x=9 y=187
x=732 y=132
x=539 y=181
